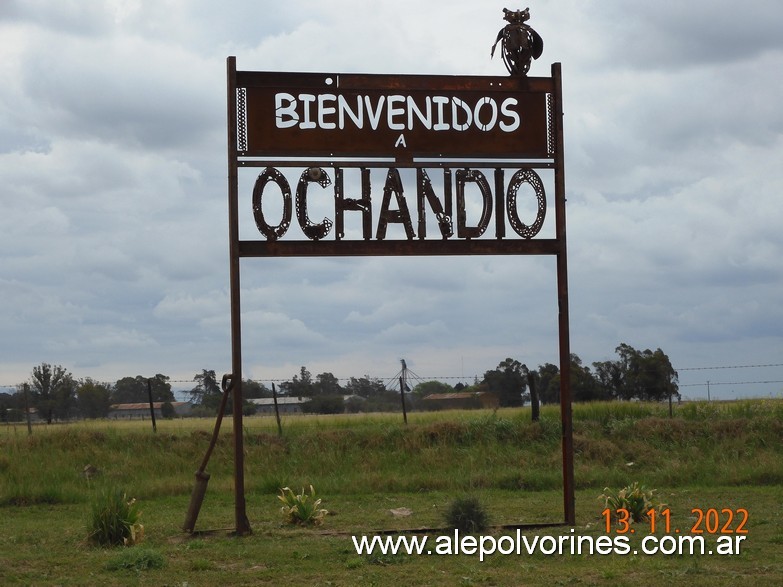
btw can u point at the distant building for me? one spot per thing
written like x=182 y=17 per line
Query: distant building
x=285 y=405
x=141 y=411
x=463 y=400
x=18 y=415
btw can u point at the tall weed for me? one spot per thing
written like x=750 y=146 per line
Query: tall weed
x=301 y=508
x=115 y=520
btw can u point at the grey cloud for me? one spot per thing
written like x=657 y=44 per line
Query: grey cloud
x=114 y=231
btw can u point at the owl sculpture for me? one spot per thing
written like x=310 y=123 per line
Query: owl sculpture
x=519 y=43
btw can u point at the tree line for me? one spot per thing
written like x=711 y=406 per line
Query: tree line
x=56 y=395
x=635 y=375
x=643 y=375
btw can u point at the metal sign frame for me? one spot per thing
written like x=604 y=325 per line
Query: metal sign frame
x=417 y=122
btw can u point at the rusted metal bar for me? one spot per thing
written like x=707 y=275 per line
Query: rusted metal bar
x=362 y=81
x=569 y=500
x=202 y=477
x=392 y=248
x=242 y=525
x=416 y=163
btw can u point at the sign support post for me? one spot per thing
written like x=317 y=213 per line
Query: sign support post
x=569 y=505
x=242 y=525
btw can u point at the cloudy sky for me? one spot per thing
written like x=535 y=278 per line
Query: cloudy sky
x=113 y=231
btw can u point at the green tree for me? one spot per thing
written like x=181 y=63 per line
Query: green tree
x=365 y=387
x=52 y=389
x=207 y=392
x=584 y=386
x=301 y=386
x=93 y=399
x=647 y=375
x=161 y=389
x=508 y=381
x=644 y=375
x=548 y=379
x=376 y=397
x=253 y=389
x=609 y=376
x=327 y=384
x=426 y=388
x=129 y=390
x=133 y=390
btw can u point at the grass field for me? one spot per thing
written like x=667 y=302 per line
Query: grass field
x=727 y=455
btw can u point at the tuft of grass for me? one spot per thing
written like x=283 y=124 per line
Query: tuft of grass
x=467 y=515
x=136 y=559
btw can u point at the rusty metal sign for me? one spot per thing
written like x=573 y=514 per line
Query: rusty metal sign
x=300 y=134
x=487 y=135
x=400 y=117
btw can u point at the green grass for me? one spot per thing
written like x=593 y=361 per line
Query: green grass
x=733 y=444
x=719 y=455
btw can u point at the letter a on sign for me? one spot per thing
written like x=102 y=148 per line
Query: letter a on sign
x=400 y=142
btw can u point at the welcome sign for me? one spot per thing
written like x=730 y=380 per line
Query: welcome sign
x=457 y=138
x=402 y=117
x=486 y=136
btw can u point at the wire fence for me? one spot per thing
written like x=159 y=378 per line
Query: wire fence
x=391 y=380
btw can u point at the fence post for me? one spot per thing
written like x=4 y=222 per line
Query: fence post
x=152 y=407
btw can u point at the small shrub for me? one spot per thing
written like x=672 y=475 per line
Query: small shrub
x=115 y=520
x=636 y=499
x=301 y=508
x=466 y=514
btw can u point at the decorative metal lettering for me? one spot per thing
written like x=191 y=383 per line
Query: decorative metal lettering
x=401 y=215
x=464 y=176
x=442 y=213
x=271 y=232
x=311 y=231
x=526 y=176
x=363 y=204
x=502 y=201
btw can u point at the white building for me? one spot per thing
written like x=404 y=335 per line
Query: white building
x=141 y=411
x=285 y=405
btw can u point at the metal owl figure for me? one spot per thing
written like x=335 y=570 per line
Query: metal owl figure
x=519 y=43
